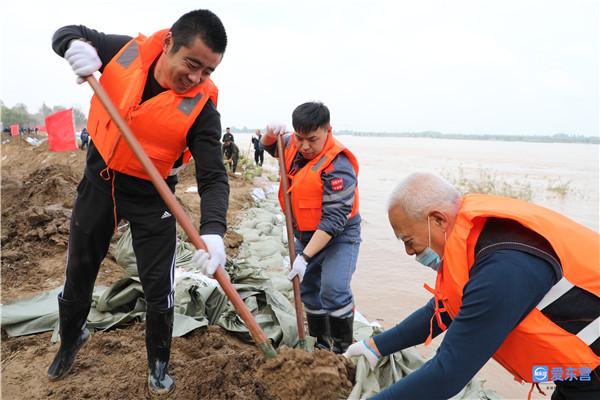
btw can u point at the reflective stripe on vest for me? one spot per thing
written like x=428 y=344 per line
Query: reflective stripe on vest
x=558 y=290
x=187 y=104
x=590 y=332
x=131 y=53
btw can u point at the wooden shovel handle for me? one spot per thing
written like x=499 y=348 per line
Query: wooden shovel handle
x=290 y=236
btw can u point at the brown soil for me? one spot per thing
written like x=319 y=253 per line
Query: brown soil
x=38 y=190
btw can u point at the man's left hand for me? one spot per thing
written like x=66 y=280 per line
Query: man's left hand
x=216 y=249
x=366 y=348
x=298 y=268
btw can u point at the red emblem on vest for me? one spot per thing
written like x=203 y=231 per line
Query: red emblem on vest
x=337 y=184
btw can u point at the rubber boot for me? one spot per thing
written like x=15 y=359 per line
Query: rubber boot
x=159 y=329
x=72 y=316
x=318 y=327
x=341 y=333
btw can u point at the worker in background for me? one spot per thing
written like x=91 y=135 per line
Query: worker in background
x=228 y=136
x=323 y=176
x=259 y=153
x=231 y=153
x=85 y=137
x=515 y=282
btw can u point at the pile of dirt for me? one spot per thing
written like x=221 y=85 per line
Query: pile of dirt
x=38 y=190
x=206 y=364
x=38 y=211
x=296 y=374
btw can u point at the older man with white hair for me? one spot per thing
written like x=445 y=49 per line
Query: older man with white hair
x=515 y=281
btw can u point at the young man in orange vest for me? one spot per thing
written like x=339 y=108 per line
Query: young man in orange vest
x=324 y=196
x=515 y=281
x=161 y=85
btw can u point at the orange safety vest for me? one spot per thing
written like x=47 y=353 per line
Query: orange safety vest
x=537 y=340
x=306 y=186
x=160 y=124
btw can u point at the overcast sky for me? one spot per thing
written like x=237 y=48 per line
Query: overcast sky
x=477 y=67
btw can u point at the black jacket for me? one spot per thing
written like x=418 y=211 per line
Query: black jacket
x=203 y=140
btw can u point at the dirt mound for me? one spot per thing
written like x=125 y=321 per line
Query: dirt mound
x=296 y=374
x=40 y=209
x=206 y=364
x=38 y=190
x=35 y=220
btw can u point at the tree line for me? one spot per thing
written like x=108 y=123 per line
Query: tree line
x=556 y=138
x=20 y=115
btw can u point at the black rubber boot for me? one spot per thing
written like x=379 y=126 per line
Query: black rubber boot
x=159 y=329
x=341 y=333
x=318 y=327
x=73 y=335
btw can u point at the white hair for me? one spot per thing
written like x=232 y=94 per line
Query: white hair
x=422 y=192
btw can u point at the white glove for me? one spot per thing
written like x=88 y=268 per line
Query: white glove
x=201 y=259
x=216 y=249
x=274 y=129
x=363 y=349
x=83 y=58
x=298 y=268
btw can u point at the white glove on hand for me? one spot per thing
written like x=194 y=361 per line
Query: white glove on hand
x=83 y=58
x=298 y=268
x=363 y=349
x=274 y=129
x=200 y=259
x=216 y=249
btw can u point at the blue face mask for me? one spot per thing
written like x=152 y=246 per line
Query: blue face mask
x=428 y=257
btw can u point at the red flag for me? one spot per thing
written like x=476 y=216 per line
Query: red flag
x=14 y=130
x=61 y=131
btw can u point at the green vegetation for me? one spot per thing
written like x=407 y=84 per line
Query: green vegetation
x=248 y=168
x=20 y=115
x=487 y=182
x=561 y=188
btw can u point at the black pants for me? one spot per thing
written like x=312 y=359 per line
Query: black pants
x=92 y=226
x=259 y=157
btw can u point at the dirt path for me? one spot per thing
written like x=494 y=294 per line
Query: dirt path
x=38 y=190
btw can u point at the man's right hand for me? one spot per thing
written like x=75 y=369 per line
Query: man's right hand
x=83 y=59
x=366 y=348
x=272 y=130
x=216 y=248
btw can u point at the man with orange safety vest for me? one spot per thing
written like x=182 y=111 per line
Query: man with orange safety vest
x=161 y=86
x=515 y=281
x=324 y=197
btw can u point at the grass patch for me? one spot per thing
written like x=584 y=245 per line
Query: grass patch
x=485 y=181
x=559 y=187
